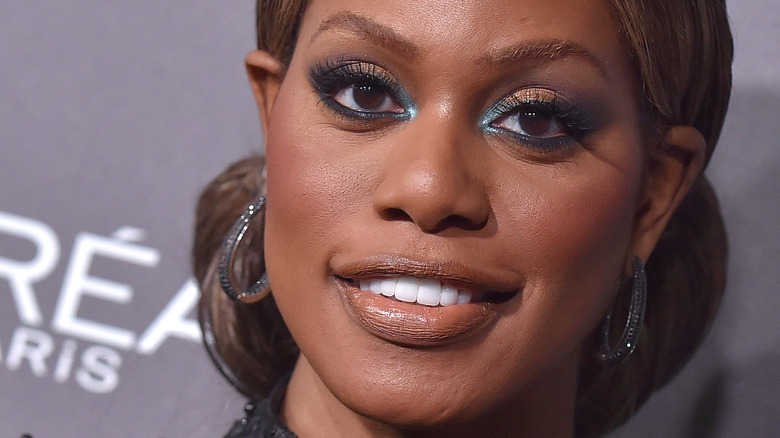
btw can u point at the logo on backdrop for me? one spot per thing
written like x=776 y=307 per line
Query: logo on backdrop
x=96 y=367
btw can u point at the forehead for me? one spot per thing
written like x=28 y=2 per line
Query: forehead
x=475 y=28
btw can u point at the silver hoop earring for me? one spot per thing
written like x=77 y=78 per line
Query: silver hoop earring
x=261 y=288
x=636 y=317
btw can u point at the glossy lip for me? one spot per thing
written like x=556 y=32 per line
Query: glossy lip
x=415 y=325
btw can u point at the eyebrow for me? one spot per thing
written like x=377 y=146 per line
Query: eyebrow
x=366 y=28
x=542 y=51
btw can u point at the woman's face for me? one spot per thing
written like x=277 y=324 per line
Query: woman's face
x=482 y=148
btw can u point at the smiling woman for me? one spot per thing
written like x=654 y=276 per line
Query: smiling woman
x=455 y=195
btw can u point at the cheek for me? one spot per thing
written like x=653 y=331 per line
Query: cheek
x=314 y=187
x=308 y=189
x=299 y=208
x=585 y=222
x=572 y=235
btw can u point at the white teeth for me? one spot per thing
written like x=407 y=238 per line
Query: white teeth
x=428 y=292
x=464 y=297
x=406 y=289
x=387 y=288
x=449 y=296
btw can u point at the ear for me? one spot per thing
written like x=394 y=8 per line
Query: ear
x=265 y=75
x=670 y=173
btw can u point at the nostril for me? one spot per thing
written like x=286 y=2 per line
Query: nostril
x=433 y=199
x=456 y=221
x=451 y=221
x=395 y=214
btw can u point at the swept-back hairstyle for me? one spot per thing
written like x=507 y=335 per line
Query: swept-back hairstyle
x=682 y=52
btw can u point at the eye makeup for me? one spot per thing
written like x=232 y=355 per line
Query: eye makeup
x=536 y=118
x=333 y=77
x=541 y=118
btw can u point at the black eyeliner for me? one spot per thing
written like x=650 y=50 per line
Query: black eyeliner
x=329 y=76
x=577 y=122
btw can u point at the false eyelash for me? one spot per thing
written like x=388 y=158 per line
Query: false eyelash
x=578 y=123
x=332 y=75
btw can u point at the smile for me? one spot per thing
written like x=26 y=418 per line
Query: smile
x=422 y=304
x=428 y=292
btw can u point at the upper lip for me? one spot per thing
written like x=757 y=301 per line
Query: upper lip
x=451 y=272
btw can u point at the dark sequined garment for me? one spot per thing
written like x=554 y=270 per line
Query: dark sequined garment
x=261 y=419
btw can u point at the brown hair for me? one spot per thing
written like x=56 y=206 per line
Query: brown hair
x=682 y=52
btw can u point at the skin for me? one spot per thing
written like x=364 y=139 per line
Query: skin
x=556 y=229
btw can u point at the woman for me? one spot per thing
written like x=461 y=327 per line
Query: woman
x=458 y=196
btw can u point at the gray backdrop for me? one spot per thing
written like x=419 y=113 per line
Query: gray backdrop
x=113 y=115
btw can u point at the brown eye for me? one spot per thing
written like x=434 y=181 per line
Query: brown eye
x=532 y=123
x=535 y=124
x=367 y=98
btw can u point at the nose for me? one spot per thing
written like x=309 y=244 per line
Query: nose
x=432 y=179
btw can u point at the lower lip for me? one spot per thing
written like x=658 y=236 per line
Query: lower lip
x=415 y=325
